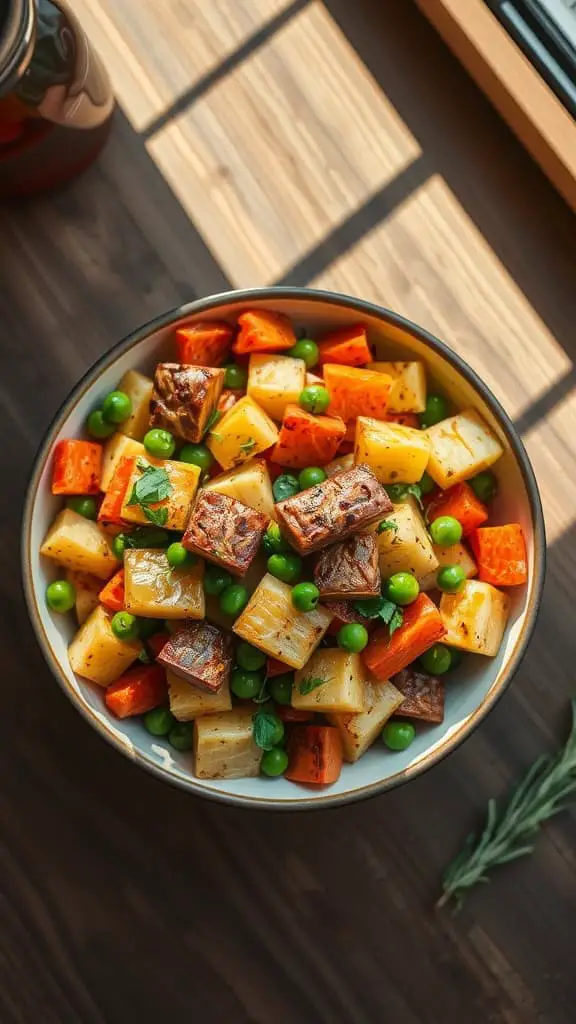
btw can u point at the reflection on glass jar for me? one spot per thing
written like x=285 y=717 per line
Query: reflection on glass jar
x=56 y=100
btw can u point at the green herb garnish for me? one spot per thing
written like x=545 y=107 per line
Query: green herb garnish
x=152 y=487
x=213 y=418
x=264 y=728
x=380 y=608
x=247 y=446
x=310 y=684
x=509 y=832
x=399 y=492
x=385 y=525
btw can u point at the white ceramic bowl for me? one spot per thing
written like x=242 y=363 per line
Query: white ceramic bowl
x=477 y=684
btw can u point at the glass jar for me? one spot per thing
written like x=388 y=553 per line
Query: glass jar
x=56 y=101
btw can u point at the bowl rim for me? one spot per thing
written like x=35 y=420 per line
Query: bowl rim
x=382 y=313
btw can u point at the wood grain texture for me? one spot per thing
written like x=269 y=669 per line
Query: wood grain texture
x=345 y=148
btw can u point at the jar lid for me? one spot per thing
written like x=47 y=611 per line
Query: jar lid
x=17 y=24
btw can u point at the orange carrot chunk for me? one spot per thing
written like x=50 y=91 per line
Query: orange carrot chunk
x=355 y=392
x=111 y=507
x=422 y=626
x=347 y=347
x=461 y=503
x=157 y=641
x=112 y=595
x=77 y=467
x=314 y=755
x=138 y=690
x=204 y=344
x=307 y=440
x=500 y=552
x=262 y=331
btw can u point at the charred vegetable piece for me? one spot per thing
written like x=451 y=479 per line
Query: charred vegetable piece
x=200 y=654
x=275 y=381
x=423 y=696
x=205 y=343
x=263 y=331
x=393 y=452
x=79 y=544
x=349 y=569
x=307 y=440
x=501 y=554
x=184 y=398
x=332 y=680
x=408 y=394
x=118 y=447
x=421 y=627
x=243 y=432
x=357 y=392
x=358 y=731
x=77 y=467
x=225 y=531
x=177 y=482
x=461 y=503
x=475 y=618
x=96 y=653
x=188 y=702
x=139 y=690
x=347 y=346
x=460 y=447
x=335 y=509
x=153 y=589
x=315 y=754
x=272 y=623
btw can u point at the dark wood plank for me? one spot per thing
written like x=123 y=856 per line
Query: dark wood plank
x=125 y=900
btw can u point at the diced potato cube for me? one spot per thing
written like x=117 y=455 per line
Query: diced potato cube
x=460 y=447
x=455 y=554
x=343 y=686
x=393 y=452
x=407 y=548
x=116 y=448
x=97 y=654
x=152 y=589
x=272 y=623
x=275 y=381
x=241 y=434
x=139 y=390
x=249 y=484
x=358 y=731
x=408 y=393
x=80 y=544
x=224 y=747
x=87 y=589
x=188 y=702
x=475 y=617
x=183 y=477
x=340 y=465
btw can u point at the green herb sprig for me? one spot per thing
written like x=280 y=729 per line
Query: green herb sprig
x=399 y=492
x=264 y=728
x=510 y=831
x=213 y=418
x=380 y=608
x=385 y=525
x=152 y=487
x=310 y=684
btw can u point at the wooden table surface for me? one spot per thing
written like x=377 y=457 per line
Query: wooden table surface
x=340 y=145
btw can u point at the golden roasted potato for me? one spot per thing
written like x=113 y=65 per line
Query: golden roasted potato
x=249 y=484
x=243 y=432
x=224 y=747
x=358 y=731
x=183 y=477
x=87 y=589
x=275 y=381
x=152 y=589
x=408 y=393
x=139 y=390
x=188 y=702
x=460 y=447
x=342 y=689
x=393 y=452
x=272 y=623
x=475 y=617
x=80 y=544
x=97 y=654
x=406 y=546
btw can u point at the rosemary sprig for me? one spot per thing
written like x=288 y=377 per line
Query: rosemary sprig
x=510 y=832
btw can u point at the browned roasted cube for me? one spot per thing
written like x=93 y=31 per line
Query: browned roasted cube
x=333 y=510
x=423 y=696
x=200 y=654
x=344 y=611
x=349 y=569
x=184 y=397
x=224 y=531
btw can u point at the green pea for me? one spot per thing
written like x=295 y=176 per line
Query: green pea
x=159 y=443
x=117 y=407
x=310 y=477
x=125 y=626
x=84 y=506
x=278 y=734
x=216 y=580
x=436 y=660
x=451 y=578
x=180 y=736
x=485 y=486
x=286 y=567
x=352 y=637
x=119 y=545
x=235 y=376
x=435 y=411
x=233 y=599
x=305 y=597
x=98 y=427
x=60 y=596
x=285 y=486
x=197 y=455
x=314 y=399
x=178 y=556
x=280 y=688
x=307 y=350
x=245 y=685
x=426 y=484
x=274 y=762
x=402 y=588
x=250 y=658
x=159 y=722
x=273 y=542
x=446 y=531
x=398 y=735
